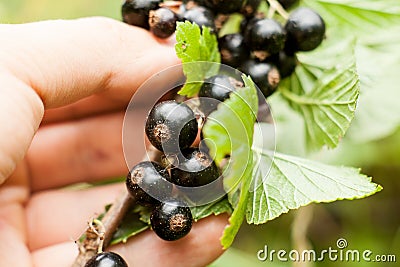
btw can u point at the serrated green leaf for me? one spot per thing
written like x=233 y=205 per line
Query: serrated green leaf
x=195 y=48
x=292 y=182
x=229 y=131
x=357 y=17
x=375 y=25
x=325 y=94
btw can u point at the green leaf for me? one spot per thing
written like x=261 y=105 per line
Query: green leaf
x=214 y=208
x=325 y=93
x=375 y=25
x=292 y=182
x=357 y=17
x=130 y=226
x=195 y=48
x=229 y=131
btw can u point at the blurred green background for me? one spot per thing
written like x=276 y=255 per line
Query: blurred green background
x=372 y=223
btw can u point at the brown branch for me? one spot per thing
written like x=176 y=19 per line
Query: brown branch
x=89 y=246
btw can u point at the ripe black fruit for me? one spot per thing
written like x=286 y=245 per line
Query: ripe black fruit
x=171 y=220
x=233 y=49
x=162 y=22
x=136 y=12
x=196 y=168
x=224 y=6
x=286 y=64
x=148 y=180
x=201 y=16
x=171 y=126
x=305 y=30
x=218 y=87
x=106 y=259
x=264 y=74
x=265 y=35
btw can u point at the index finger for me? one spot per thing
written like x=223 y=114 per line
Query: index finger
x=54 y=63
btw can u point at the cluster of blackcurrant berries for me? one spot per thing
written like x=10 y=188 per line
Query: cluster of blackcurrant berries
x=172 y=128
x=263 y=49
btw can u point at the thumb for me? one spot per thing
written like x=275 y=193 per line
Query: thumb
x=54 y=63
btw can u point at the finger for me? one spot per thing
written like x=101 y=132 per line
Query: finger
x=199 y=248
x=20 y=113
x=57 y=216
x=13 y=251
x=82 y=151
x=68 y=60
x=64 y=61
x=87 y=107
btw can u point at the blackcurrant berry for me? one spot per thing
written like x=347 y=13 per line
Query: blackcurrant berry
x=162 y=22
x=233 y=49
x=250 y=8
x=264 y=74
x=224 y=6
x=194 y=169
x=305 y=30
x=171 y=126
x=106 y=259
x=287 y=3
x=215 y=90
x=286 y=64
x=171 y=220
x=147 y=181
x=136 y=12
x=265 y=37
x=201 y=16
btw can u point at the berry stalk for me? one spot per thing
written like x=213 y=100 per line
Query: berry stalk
x=276 y=6
x=90 y=245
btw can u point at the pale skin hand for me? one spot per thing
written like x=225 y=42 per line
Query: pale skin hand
x=64 y=86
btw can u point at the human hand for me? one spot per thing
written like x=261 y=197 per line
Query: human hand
x=64 y=89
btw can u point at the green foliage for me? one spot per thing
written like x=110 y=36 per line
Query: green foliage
x=374 y=24
x=193 y=47
x=324 y=93
x=231 y=129
x=292 y=182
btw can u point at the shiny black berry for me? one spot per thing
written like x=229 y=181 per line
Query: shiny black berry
x=233 y=49
x=224 y=6
x=264 y=74
x=171 y=126
x=305 y=30
x=215 y=90
x=194 y=169
x=162 y=22
x=201 y=16
x=171 y=220
x=286 y=64
x=106 y=259
x=147 y=183
x=136 y=12
x=218 y=87
x=266 y=37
